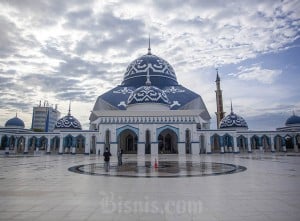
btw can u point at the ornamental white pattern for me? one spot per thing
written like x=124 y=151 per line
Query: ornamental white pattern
x=233 y=120
x=158 y=66
x=173 y=90
x=68 y=122
x=148 y=94
x=124 y=90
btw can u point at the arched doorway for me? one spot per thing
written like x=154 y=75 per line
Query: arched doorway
x=215 y=143
x=55 y=144
x=167 y=142
x=202 y=144
x=93 y=145
x=188 y=141
x=68 y=143
x=265 y=142
x=148 y=142
x=80 y=141
x=289 y=143
x=4 y=142
x=254 y=142
x=32 y=144
x=297 y=140
x=228 y=143
x=12 y=141
x=21 y=145
x=242 y=143
x=107 y=139
x=43 y=143
x=278 y=143
x=128 y=141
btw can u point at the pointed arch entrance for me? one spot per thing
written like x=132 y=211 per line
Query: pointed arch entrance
x=216 y=143
x=128 y=140
x=242 y=143
x=55 y=141
x=167 y=142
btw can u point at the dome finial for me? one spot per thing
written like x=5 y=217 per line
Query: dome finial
x=16 y=113
x=148 y=82
x=149 y=45
x=69 y=112
x=231 y=106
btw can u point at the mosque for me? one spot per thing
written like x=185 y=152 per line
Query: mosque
x=150 y=113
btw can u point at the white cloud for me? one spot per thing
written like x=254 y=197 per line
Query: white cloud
x=256 y=73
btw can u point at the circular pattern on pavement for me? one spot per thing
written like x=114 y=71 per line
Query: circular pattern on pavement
x=164 y=169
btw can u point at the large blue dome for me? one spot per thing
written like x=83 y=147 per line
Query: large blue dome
x=15 y=122
x=68 y=122
x=233 y=121
x=148 y=94
x=161 y=72
x=294 y=119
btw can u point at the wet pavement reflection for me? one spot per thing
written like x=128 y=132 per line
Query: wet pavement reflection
x=162 y=169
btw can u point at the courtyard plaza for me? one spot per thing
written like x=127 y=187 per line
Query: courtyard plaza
x=256 y=186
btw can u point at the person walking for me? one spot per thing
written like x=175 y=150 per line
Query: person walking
x=107 y=156
x=120 y=153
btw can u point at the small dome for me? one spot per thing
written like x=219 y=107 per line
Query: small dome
x=161 y=72
x=294 y=119
x=148 y=94
x=233 y=121
x=15 y=122
x=68 y=122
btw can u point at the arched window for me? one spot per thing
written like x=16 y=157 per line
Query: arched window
x=107 y=139
x=187 y=141
x=148 y=142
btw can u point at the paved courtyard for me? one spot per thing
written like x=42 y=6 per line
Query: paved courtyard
x=231 y=187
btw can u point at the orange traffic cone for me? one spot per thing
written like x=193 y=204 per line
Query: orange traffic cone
x=155 y=164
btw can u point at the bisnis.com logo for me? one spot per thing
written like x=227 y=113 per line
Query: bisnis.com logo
x=109 y=203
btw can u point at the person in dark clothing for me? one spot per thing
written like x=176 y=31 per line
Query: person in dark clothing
x=107 y=156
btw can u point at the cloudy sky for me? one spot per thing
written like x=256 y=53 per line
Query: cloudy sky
x=76 y=50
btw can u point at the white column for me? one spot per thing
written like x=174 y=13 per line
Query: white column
x=87 y=148
x=249 y=144
x=272 y=144
x=295 y=144
x=236 y=149
x=113 y=149
x=141 y=149
x=208 y=144
x=48 y=151
x=16 y=145
x=284 y=148
x=154 y=148
x=195 y=148
x=61 y=143
x=222 y=149
x=99 y=148
x=7 y=146
x=181 y=148
x=26 y=145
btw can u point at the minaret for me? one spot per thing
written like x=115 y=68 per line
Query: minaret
x=220 y=112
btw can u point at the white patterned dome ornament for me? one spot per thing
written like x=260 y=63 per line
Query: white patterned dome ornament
x=148 y=94
x=161 y=72
x=232 y=121
x=68 y=122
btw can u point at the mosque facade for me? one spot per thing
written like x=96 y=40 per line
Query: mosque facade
x=150 y=113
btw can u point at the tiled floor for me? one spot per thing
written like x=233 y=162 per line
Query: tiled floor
x=42 y=188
